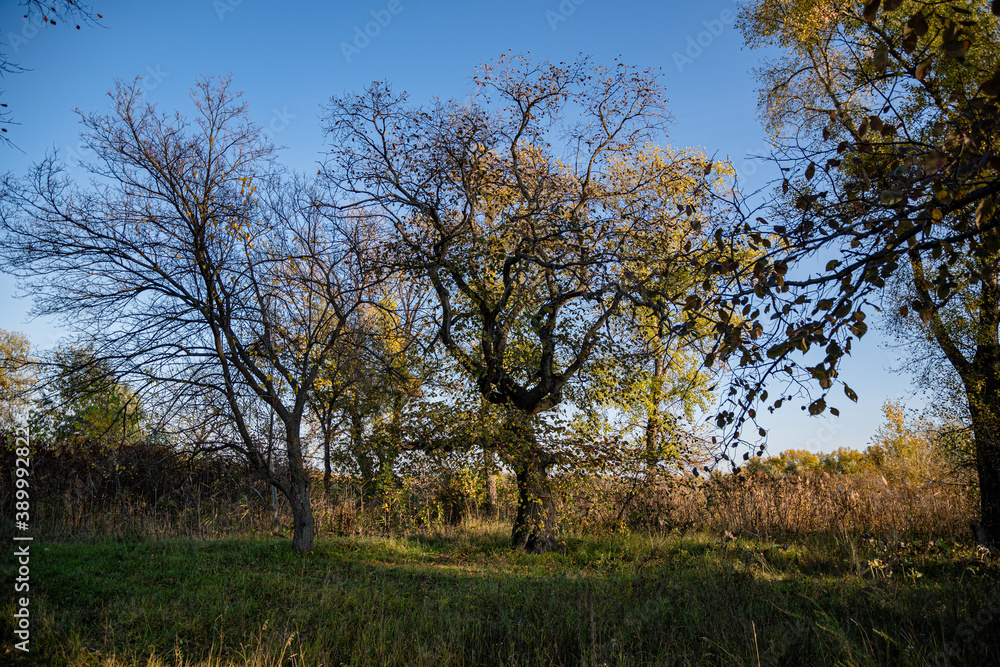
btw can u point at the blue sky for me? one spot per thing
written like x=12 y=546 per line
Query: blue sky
x=289 y=58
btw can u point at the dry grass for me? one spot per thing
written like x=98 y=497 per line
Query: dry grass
x=767 y=507
x=761 y=505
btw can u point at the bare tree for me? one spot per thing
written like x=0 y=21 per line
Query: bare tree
x=196 y=265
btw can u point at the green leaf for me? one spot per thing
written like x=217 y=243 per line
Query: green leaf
x=955 y=48
x=881 y=58
x=934 y=161
x=891 y=197
x=870 y=10
x=985 y=212
x=917 y=24
x=921 y=71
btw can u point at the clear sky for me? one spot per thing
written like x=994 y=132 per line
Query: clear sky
x=289 y=58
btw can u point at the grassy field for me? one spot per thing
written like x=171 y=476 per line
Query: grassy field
x=462 y=597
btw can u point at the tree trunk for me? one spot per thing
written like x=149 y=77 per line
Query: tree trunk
x=984 y=407
x=492 y=506
x=362 y=456
x=982 y=386
x=275 y=509
x=302 y=537
x=653 y=419
x=327 y=469
x=535 y=524
x=981 y=379
x=302 y=516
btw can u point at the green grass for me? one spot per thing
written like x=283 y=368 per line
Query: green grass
x=464 y=598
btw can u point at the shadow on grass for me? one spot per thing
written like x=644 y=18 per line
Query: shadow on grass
x=466 y=599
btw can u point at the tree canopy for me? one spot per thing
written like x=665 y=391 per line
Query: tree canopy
x=884 y=116
x=537 y=210
x=16 y=375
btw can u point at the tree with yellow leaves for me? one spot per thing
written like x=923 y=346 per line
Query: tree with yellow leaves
x=366 y=385
x=16 y=375
x=528 y=209
x=904 y=448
